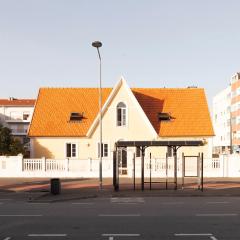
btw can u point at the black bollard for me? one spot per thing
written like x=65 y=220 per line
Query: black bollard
x=55 y=186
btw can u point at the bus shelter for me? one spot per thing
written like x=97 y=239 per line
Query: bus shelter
x=143 y=145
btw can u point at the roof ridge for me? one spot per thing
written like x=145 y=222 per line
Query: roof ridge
x=133 y=88
x=17 y=99
x=186 y=88
x=74 y=88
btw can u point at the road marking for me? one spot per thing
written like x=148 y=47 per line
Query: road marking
x=217 y=215
x=7 y=238
x=217 y=202
x=120 y=235
x=172 y=203
x=119 y=215
x=37 y=203
x=47 y=235
x=128 y=200
x=210 y=235
x=80 y=203
x=126 y=203
x=213 y=238
x=192 y=234
x=20 y=215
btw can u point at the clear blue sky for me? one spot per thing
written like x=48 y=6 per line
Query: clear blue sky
x=171 y=43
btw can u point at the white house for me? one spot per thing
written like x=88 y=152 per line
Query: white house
x=65 y=122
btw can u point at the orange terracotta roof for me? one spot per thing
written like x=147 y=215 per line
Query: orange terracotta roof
x=187 y=106
x=54 y=106
x=17 y=102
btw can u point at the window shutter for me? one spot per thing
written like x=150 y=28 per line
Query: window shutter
x=68 y=150
x=99 y=150
x=74 y=150
x=123 y=117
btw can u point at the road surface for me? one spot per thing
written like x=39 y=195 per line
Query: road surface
x=173 y=218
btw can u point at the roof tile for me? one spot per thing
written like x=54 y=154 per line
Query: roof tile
x=187 y=106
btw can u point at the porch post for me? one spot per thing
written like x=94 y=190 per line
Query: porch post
x=142 y=165
x=183 y=169
x=134 y=177
x=115 y=171
x=202 y=167
x=175 y=165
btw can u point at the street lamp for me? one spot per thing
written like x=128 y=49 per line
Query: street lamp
x=97 y=45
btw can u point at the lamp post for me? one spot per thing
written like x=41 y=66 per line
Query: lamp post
x=97 y=45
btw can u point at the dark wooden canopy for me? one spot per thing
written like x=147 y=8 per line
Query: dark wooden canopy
x=158 y=143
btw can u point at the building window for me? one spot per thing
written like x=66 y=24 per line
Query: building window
x=26 y=115
x=71 y=150
x=15 y=116
x=20 y=128
x=104 y=150
x=121 y=114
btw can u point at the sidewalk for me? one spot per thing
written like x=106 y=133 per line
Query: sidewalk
x=107 y=193
x=126 y=190
x=76 y=189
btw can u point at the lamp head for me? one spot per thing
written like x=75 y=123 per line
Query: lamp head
x=97 y=44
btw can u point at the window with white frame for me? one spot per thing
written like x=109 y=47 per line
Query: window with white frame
x=105 y=150
x=121 y=114
x=71 y=150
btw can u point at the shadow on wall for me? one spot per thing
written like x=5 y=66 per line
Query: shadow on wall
x=151 y=106
x=40 y=151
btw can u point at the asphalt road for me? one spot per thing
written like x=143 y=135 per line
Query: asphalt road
x=175 y=218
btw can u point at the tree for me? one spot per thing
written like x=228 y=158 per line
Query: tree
x=9 y=145
x=5 y=140
x=16 y=147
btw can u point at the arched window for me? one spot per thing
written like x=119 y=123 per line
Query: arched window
x=121 y=114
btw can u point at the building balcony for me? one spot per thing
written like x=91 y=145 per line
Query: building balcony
x=17 y=120
x=19 y=132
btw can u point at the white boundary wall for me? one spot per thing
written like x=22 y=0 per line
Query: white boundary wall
x=16 y=166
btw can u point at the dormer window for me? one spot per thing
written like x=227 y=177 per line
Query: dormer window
x=121 y=114
x=76 y=116
x=164 y=116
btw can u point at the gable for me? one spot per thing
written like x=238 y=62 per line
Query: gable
x=137 y=125
x=122 y=93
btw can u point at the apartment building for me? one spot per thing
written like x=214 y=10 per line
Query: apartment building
x=226 y=118
x=235 y=111
x=222 y=122
x=16 y=114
